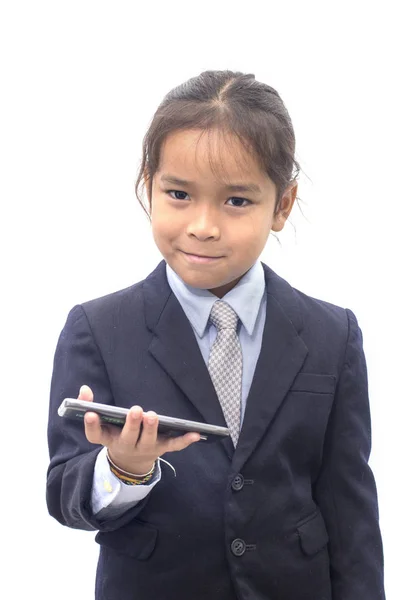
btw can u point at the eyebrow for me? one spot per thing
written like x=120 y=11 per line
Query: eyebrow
x=233 y=187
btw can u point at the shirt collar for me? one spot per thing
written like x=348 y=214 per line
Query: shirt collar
x=245 y=298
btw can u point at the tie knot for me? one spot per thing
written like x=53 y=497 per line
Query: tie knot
x=223 y=316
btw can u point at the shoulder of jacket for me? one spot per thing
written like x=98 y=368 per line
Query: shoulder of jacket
x=324 y=313
x=129 y=298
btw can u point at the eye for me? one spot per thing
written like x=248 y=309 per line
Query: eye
x=177 y=192
x=240 y=200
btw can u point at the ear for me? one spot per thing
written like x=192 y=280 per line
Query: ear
x=147 y=181
x=285 y=206
x=148 y=185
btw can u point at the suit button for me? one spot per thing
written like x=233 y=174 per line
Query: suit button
x=238 y=547
x=238 y=482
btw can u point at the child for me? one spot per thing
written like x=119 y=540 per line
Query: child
x=286 y=507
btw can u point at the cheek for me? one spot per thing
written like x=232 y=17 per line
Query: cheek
x=164 y=226
x=254 y=232
x=159 y=217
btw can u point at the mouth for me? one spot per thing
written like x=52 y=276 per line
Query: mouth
x=201 y=258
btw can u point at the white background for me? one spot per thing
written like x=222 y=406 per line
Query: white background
x=79 y=84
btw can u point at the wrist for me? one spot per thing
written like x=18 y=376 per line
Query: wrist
x=135 y=471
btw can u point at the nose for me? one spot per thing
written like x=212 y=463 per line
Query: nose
x=203 y=224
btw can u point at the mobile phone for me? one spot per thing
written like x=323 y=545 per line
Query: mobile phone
x=72 y=408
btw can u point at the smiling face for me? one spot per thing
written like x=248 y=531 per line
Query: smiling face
x=212 y=208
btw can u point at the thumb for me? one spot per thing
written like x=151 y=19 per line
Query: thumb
x=85 y=393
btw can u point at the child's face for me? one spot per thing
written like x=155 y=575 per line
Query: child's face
x=204 y=218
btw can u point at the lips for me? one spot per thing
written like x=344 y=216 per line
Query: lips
x=200 y=258
x=200 y=255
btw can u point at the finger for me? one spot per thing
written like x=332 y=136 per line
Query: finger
x=85 y=393
x=148 y=437
x=95 y=432
x=179 y=443
x=131 y=431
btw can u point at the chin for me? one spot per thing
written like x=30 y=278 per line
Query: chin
x=196 y=282
x=194 y=279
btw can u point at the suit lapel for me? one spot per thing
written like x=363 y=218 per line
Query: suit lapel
x=281 y=357
x=175 y=348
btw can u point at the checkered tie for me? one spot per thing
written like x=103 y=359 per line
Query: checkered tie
x=225 y=365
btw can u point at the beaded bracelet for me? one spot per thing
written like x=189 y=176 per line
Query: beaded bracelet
x=130 y=478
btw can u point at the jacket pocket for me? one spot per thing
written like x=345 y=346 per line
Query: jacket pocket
x=313 y=534
x=136 y=539
x=314 y=383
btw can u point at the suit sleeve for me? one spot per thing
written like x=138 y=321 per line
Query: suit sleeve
x=70 y=475
x=345 y=490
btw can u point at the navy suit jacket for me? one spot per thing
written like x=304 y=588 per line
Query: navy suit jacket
x=290 y=514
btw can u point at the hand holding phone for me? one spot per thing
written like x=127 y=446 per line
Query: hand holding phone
x=137 y=444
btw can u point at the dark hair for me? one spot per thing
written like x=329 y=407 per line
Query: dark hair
x=231 y=102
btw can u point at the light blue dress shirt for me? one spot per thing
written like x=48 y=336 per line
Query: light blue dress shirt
x=249 y=300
